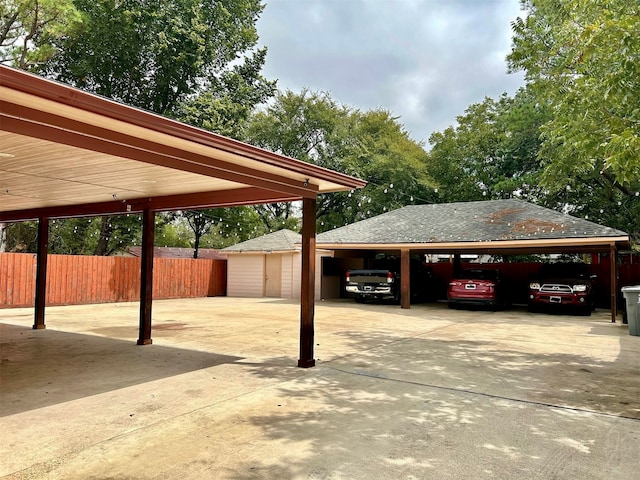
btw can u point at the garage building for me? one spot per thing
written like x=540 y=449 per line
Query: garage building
x=269 y=266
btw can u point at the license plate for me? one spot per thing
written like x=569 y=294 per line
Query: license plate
x=470 y=286
x=555 y=299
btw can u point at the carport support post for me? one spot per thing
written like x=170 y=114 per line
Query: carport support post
x=307 y=290
x=405 y=277
x=41 y=273
x=614 y=282
x=457 y=264
x=146 y=276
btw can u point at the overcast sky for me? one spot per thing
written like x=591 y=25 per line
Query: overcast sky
x=425 y=61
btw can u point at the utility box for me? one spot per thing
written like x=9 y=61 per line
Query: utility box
x=632 y=301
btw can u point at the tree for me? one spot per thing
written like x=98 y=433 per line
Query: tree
x=312 y=127
x=495 y=152
x=28 y=28
x=194 y=60
x=233 y=225
x=227 y=104
x=583 y=58
x=379 y=150
x=154 y=55
x=305 y=126
x=219 y=227
x=21 y=237
x=492 y=152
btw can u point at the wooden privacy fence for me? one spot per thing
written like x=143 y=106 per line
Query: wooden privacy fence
x=76 y=279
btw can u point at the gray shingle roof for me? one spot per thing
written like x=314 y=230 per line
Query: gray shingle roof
x=491 y=220
x=281 y=241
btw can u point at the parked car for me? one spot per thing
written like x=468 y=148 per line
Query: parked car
x=476 y=286
x=560 y=284
x=382 y=281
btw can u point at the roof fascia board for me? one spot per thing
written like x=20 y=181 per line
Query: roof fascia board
x=257 y=252
x=63 y=94
x=267 y=252
x=492 y=245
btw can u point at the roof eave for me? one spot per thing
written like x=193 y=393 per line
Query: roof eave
x=16 y=84
x=576 y=243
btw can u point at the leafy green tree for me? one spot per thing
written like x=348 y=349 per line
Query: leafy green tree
x=29 y=27
x=21 y=237
x=88 y=236
x=379 y=150
x=115 y=233
x=372 y=145
x=156 y=54
x=583 y=57
x=194 y=60
x=227 y=104
x=77 y=236
x=73 y=236
x=172 y=233
x=307 y=126
x=218 y=228
x=492 y=152
x=233 y=225
x=299 y=126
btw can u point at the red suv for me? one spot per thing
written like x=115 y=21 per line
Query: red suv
x=563 y=284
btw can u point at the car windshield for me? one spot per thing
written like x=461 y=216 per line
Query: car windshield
x=478 y=274
x=575 y=270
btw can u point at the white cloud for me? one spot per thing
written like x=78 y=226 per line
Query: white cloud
x=423 y=60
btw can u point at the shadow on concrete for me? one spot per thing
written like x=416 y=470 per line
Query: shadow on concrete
x=45 y=367
x=427 y=408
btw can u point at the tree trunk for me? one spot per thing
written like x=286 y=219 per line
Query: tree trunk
x=106 y=230
x=3 y=237
x=196 y=244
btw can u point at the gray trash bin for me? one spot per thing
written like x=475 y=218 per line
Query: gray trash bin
x=632 y=301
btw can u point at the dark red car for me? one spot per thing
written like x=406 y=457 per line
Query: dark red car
x=476 y=286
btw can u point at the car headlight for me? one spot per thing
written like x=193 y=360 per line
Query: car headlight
x=579 y=288
x=534 y=286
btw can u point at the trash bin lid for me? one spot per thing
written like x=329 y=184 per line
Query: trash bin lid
x=632 y=289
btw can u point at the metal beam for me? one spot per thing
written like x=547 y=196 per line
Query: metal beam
x=187 y=201
x=307 y=292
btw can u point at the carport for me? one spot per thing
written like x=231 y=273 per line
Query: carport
x=66 y=153
x=494 y=227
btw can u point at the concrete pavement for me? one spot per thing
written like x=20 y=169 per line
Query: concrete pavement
x=425 y=393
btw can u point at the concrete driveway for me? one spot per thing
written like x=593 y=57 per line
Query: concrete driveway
x=426 y=393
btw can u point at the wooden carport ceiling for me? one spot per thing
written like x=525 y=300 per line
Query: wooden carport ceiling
x=64 y=152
